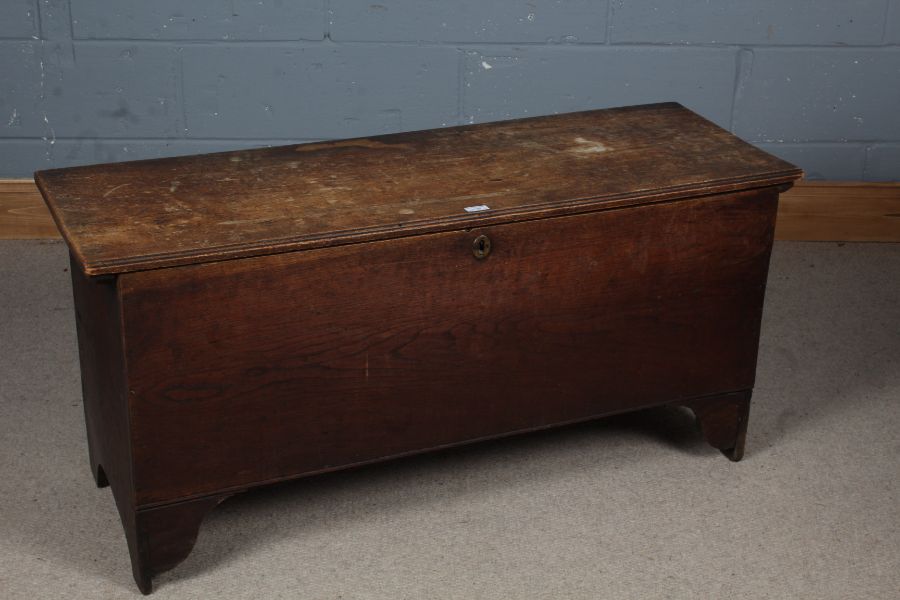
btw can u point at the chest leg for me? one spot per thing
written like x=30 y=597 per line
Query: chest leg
x=723 y=421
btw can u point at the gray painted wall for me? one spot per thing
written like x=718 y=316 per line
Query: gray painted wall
x=82 y=81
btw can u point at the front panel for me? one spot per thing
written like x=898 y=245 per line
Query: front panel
x=251 y=370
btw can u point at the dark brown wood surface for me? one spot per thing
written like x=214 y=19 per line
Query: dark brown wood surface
x=149 y=214
x=106 y=406
x=621 y=264
x=723 y=420
x=824 y=211
x=243 y=372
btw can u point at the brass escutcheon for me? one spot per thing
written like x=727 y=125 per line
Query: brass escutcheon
x=481 y=246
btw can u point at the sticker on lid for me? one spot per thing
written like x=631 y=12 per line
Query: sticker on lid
x=478 y=208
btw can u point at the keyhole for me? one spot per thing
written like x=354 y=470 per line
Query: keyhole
x=481 y=246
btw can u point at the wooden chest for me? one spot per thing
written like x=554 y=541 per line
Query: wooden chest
x=250 y=317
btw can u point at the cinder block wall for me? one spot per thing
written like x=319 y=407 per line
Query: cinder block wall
x=81 y=81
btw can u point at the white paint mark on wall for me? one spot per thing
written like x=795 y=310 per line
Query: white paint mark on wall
x=52 y=137
x=13 y=119
x=52 y=131
x=486 y=65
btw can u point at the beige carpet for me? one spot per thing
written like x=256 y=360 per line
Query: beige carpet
x=630 y=507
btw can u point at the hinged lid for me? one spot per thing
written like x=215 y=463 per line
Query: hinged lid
x=174 y=211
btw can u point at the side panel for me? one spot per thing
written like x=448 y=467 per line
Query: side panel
x=100 y=349
x=257 y=369
x=97 y=320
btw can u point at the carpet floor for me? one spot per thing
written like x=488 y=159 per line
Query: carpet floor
x=635 y=506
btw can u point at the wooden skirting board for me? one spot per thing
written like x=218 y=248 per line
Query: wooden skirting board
x=23 y=215
x=811 y=211
x=841 y=211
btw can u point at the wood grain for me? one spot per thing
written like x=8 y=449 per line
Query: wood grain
x=622 y=264
x=173 y=211
x=271 y=367
x=23 y=214
x=105 y=393
x=838 y=211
